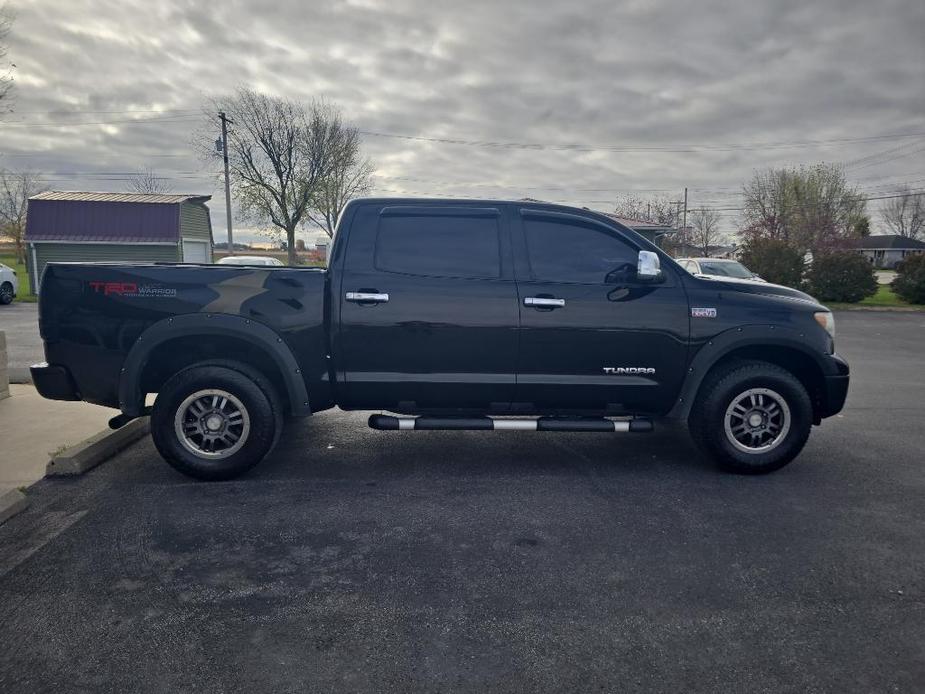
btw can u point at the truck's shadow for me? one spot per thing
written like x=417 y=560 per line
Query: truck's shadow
x=338 y=445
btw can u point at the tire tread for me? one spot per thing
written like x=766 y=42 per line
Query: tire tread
x=706 y=420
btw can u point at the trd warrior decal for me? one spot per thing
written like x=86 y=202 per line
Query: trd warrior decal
x=131 y=289
x=108 y=288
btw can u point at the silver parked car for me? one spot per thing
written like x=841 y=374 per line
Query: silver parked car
x=250 y=260
x=718 y=267
x=9 y=284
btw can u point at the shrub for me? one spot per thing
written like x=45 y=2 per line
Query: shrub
x=841 y=276
x=774 y=260
x=909 y=284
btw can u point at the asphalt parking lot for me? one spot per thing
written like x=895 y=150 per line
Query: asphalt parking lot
x=359 y=560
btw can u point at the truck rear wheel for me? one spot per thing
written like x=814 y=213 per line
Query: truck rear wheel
x=216 y=421
x=752 y=417
x=6 y=293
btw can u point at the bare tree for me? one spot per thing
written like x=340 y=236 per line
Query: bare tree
x=704 y=230
x=279 y=152
x=15 y=190
x=905 y=215
x=6 y=76
x=147 y=181
x=658 y=209
x=350 y=177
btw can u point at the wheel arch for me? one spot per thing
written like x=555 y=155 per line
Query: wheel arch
x=779 y=346
x=174 y=343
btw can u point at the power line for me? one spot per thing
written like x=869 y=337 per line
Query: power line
x=920 y=150
x=179 y=116
x=46 y=154
x=610 y=202
x=64 y=112
x=891 y=187
x=785 y=144
x=804 y=206
x=130 y=121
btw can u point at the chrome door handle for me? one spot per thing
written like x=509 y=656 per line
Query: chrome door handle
x=543 y=302
x=370 y=297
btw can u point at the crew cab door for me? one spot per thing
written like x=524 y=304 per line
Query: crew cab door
x=593 y=337
x=428 y=310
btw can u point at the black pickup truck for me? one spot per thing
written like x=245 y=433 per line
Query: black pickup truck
x=453 y=315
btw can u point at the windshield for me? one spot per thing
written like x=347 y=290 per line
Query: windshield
x=726 y=268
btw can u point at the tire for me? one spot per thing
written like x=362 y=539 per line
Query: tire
x=239 y=401
x=6 y=293
x=724 y=421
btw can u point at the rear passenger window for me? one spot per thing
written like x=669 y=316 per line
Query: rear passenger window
x=568 y=252
x=439 y=246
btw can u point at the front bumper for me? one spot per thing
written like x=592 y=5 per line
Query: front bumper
x=54 y=382
x=835 y=388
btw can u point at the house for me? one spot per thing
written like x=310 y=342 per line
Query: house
x=131 y=227
x=886 y=250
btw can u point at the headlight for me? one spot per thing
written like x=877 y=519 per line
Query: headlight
x=827 y=321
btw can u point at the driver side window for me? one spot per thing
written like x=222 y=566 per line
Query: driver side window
x=566 y=252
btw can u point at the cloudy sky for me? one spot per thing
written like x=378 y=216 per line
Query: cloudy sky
x=578 y=102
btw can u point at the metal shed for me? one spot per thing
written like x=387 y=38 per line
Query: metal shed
x=129 y=227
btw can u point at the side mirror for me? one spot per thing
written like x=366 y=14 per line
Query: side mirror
x=648 y=267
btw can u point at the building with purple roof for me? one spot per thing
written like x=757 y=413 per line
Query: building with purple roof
x=122 y=227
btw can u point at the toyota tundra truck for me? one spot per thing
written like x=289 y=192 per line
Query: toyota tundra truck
x=467 y=315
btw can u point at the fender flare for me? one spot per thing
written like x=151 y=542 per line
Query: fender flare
x=726 y=342
x=131 y=399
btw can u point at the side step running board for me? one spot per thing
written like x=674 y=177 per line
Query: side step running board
x=425 y=423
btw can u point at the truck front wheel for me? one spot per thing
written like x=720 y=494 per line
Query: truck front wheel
x=214 y=422
x=752 y=417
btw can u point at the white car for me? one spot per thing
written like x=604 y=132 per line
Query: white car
x=250 y=260
x=718 y=267
x=9 y=284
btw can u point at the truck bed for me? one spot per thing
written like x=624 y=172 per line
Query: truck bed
x=92 y=314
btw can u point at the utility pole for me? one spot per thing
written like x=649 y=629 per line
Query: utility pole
x=224 y=119
x=684 y=222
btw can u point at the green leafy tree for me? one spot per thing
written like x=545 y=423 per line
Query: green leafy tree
x=841 y=276
x=862 y=226
x=774 y=260
x=909 y=284
x=809 y=208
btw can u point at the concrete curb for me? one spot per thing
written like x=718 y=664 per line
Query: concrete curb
x=12 y=503
x=89 y=453
x=4 y=368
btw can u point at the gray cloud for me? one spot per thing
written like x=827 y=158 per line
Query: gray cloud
x=637 y=73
